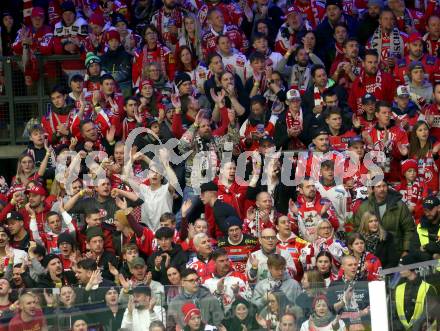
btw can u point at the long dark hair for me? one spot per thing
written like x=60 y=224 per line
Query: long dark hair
x=415 y=150
x=179 y=64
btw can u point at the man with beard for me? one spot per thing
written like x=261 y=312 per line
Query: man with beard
x=256 y=267
x=409 y=20
x=29 y=316
x=432 y=37
x=312 y=11
x=431 y=63
x=168 y=21
x=55 y=275
x=140 y=276
x=224 y=283
x=425 y=245
x=291 y=32
x=373 y=81
x=312 y=98
x=201 y=138
x=345 y=69
x=309 y=209
x=6 y=313
x=256 y=126
x=237 y=244
x=392 y=213
x=388 y=41
x=140 y=310
x=369 y=21
x=299 y=74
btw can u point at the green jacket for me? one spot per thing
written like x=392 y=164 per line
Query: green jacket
x=397 y=219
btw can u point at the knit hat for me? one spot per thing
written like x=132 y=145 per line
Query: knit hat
x=117 y=18
x=37 y=11
x=68 y=6
x=337 y=3
x=113 y=34
x=144 y=83
x=409 y=164
x=233 y=221
x=49 y=257
x=91 y=58
x=65 y=238
x=292 y=10
x=181 y=77
x=189 y=310
x=97 y=19
x=94 y=231
x=378 y=3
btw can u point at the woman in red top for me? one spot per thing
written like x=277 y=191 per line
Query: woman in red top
x=368 y=264
x=27 y=171
x=424 y=150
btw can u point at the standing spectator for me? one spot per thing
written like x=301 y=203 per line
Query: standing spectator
x=432 y=37
x=369 y=21
x=169 y=22
x=95 y=41
x=373 y=81
x=392 y=213
x=117 y=62
x=191 y=35
x=69 y=34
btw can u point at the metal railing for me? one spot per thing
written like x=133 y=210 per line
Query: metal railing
x=18 y=102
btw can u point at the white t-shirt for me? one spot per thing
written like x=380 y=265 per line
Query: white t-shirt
x=155 y=204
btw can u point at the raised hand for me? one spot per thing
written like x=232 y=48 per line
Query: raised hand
x=29 y=210
x=124 y=282
x=218 y=98
x=186 y=206
x=254 y=261
x=221 y=286
x=113 y=270
x=293 y=208
x=152 y=303
x=49 y=297
x=110 y=135
x=121 y=203
x=175 y=100
x=164 y=156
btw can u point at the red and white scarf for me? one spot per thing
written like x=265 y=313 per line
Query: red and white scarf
x=149 y=58
x=317 y=95
x=295 y=121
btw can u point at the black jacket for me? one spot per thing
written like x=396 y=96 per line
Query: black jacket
x=178 y=259
x=308 y=99
x=386 y=253
x=68 y=278
x=282 y=139
x=117 y=63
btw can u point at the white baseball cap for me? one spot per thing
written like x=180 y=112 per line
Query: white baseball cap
x=293 y=94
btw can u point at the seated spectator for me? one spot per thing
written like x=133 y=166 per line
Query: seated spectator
x=405 y=111
x=420 y=89
x=242 y=316
x=203 y=248
x=323 y=317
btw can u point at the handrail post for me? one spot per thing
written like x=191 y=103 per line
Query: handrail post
x=10 y=96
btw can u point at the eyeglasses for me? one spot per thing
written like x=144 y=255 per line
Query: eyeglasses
x=325 y=228
x=269 y=237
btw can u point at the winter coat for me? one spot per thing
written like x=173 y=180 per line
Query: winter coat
x=178 y=259
x=210 y=307
x=117 y=63
x=397 y=219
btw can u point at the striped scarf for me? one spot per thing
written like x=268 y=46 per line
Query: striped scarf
x=317 y=95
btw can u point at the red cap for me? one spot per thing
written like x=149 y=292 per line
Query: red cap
x=37 y=189
x=145 y=82
x=292 y=9
x=96 y=19
x=113 y=34
x=415 y=36
x=409 y=164
x=37 y=11
x=189 y=310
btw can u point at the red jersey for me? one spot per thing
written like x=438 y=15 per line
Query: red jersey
x=163 y=21
x=413 y=195
x=340 y=142
x=268 y=129
x=432 y=45
x=52 y=120
x=239 y=253
x=145 y=56
x=381 y=85
x=312 y=11
x=35 y=324
x=433 y=110
x=232 y=12
x=294 y=246
x=237 y=38
x=344 y=79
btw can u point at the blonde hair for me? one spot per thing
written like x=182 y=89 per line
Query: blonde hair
x=363 y=226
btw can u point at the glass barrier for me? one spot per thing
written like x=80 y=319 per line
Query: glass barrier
x=107 y=308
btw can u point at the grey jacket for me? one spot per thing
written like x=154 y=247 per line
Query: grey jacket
x=290 y=287
x=210 y=307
